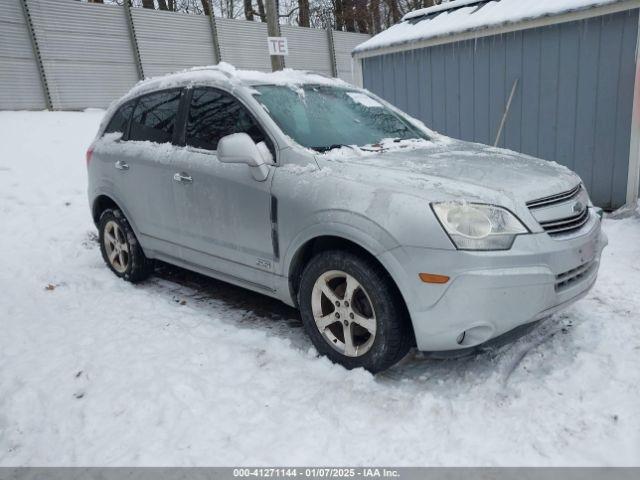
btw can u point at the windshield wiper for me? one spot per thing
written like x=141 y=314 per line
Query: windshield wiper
x=323 y=149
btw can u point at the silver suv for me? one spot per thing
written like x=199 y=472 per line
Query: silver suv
x=382 y=232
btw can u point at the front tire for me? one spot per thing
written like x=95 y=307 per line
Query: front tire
x=352 y=312
x=120 y=248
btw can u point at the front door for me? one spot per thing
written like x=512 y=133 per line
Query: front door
x=223 y=213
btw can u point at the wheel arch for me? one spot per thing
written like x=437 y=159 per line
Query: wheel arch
x=104 y=201
x=100 y=204
x=305 y=252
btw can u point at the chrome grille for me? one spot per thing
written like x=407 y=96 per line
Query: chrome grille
x=570 y=277
x=557 y=198
x=565 y=225
x=562 y=213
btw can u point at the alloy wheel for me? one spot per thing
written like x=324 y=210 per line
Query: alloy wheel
x=343 y=313
x=116 y=246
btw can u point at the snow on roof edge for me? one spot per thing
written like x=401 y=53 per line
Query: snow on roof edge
x=457 y=19
x=222 y=73
x=227 y=73
x=438 y=8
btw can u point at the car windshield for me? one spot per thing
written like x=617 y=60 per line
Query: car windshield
x=323 y=117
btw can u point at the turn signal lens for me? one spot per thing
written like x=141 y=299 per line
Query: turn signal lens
x=433 y=278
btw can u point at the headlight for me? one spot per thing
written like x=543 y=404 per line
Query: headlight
x=473 y=226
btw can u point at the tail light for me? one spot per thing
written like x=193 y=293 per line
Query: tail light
x=89 y=154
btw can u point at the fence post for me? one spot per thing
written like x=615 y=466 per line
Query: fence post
x=36 y=54
x=214 y=34
x=134 y=39
x=332 y=53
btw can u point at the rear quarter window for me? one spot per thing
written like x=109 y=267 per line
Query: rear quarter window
x=154 y=118
x=120 y=120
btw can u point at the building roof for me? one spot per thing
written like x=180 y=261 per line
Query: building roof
x=477 y=17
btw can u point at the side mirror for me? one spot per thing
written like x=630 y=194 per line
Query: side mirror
x=240 y=148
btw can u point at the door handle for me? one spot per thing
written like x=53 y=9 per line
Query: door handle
x=120 y=165
x=182 y=178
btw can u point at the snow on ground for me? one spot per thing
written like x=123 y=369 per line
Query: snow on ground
x=182 y=370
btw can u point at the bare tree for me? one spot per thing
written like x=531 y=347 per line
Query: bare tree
x=361 y=15
x=374 y=9
x=261 y=10
x=303 y=13
x=248 y=9
x=348 y=15
x=365 y=16
x=394 y=10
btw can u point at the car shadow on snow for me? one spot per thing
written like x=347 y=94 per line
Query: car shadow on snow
x=241 y=306
x=503 y=359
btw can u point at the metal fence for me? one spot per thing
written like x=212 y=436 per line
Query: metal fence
x=67 y=55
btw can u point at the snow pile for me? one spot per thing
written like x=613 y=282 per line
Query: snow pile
x=182 y=370
x=446 y=19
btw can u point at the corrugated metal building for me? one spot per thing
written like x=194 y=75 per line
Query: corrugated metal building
x=569 y=68
x=70 y=55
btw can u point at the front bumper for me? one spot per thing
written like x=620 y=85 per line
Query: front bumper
x=491 y=293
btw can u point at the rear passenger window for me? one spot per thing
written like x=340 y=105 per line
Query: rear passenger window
x=214 y=114
x=154 y=118
x=120 y=120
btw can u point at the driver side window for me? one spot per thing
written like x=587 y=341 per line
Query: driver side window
x=214 y=114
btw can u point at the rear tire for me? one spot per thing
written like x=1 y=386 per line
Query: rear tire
x=352 y=312
x=120 y=248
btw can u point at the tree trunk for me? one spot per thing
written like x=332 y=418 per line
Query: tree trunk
x=361 y=15
x=394 y=11
x=262 y=11
x=376 y=26
x=172 y=5
x=206 y=6
x=303 y=13
x=248 y=10
x=338 y=14
x=347 y=16
x=162 y=5
x=148 y=4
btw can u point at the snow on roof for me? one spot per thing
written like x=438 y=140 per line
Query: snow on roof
x=440 y=7
x=224 y=74
x=227 y=73
x=467 y=15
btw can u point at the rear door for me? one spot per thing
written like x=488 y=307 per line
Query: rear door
x=224 y=214
x=113 y=159
x=149 y=157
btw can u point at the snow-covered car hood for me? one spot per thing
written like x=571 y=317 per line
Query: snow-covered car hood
x=454 y=168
